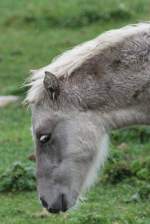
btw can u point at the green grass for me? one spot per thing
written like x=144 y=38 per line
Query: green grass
x=32 y=33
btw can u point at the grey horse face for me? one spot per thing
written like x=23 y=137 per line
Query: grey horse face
x=66 y=148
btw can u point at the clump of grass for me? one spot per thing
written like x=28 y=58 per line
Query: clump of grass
x=120 y=168
x=18 y=178
x=137 y=134
x=91 y=218
x=141 y=195
x=121 y=12
x=144 y=192
x=91 y=15
x=88 y=15
x=117 y=172
x=141 y=168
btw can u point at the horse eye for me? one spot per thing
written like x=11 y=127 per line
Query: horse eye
x=44 y=138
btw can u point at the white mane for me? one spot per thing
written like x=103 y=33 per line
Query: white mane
x=66 y=63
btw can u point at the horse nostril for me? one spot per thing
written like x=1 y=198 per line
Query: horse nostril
x=44 y=203
x=63 y=202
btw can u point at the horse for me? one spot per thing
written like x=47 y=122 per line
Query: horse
x=76 y=100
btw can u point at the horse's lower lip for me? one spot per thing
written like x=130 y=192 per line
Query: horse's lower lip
x=56 y=211
x=52 y=210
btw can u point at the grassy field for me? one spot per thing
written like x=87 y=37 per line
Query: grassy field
x=31 y=34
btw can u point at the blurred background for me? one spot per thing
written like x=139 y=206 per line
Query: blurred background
x=31 y=34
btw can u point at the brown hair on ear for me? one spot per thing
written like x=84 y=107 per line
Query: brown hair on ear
x=32 y=157
x=51 y=84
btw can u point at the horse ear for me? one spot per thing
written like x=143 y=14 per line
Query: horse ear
x=51 y=84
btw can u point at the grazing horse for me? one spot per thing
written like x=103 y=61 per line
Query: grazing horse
x=100 y=85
